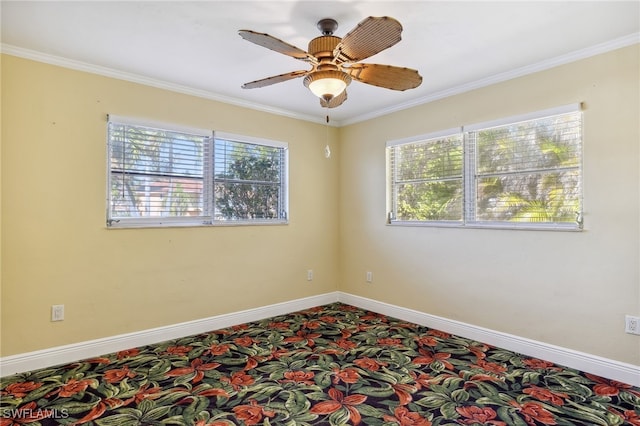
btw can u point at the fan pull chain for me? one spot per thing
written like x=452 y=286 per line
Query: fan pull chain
x=327 y=150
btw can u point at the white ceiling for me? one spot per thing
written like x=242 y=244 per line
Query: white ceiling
x=194 y=47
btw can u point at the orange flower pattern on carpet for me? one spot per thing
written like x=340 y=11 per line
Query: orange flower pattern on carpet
x=329 y=365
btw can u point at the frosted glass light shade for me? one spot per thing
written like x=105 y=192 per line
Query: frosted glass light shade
x=327 y=84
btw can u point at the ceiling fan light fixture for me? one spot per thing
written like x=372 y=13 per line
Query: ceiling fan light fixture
x=327 y=84
x=335 y=61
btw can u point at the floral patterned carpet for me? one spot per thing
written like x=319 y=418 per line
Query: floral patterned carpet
x=331 y=365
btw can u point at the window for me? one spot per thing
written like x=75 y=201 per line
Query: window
x=162 y=175
x=520 y=172
x=427 y=178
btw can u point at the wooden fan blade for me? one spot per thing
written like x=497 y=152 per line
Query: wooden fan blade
x=335 y=101
x=387 y=76
x=275 y=79
x=369 y=37
x=277 y=45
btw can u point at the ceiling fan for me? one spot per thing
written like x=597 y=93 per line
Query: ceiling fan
x=334 y=60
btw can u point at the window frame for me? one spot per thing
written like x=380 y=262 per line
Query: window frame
x=284 y=189
x=470 y=164
x=391 y=181
x=208 y=216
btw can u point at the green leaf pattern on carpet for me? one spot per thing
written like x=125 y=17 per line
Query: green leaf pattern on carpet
x=330 y=365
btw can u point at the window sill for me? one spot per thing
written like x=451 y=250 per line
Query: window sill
x=569 y=227
x=138 y=224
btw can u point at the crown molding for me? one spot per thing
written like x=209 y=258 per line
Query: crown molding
x=577 y=55
x=147 y=81
x=574 y=56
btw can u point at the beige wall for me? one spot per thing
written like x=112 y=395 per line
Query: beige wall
x=564 y=288
x=56 y=249
x=0 y=203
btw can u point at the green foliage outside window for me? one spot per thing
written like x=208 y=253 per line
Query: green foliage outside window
x=249 y=189
x=529 y=172
x=525 y=172
x=429 y=180
x=159 y=177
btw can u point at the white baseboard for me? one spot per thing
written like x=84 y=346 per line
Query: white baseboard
x=604 y=367
x=69 y=353
x=615 y=370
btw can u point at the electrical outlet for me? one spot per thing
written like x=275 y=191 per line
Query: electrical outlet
x=309 y=274
x=631 y=324
x=369 y=276
x=57 y=312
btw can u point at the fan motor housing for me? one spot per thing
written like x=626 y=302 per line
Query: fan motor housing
x=323 y=46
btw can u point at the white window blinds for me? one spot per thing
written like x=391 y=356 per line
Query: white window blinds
x=156 y=173
x=528 y=172
x=427 y=178
x=161 y=175
x=517 y=172
x=249 y=180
